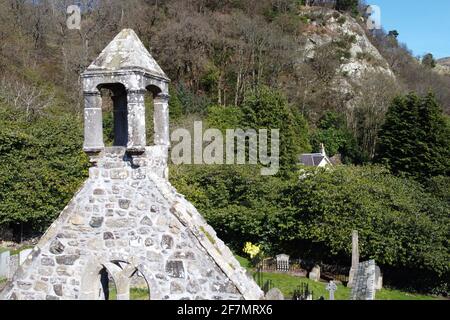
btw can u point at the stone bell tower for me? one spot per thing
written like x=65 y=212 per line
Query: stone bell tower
x=127 y=69
x=127 y=220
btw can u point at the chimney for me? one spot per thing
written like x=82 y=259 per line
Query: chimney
x=322 y=150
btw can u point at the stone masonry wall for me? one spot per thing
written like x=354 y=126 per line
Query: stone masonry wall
x=126 y=218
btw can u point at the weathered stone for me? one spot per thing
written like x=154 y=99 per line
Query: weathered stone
x=119 y=223
x=99 y=192
x=67 y=260
x=45 y=271
x=57 y=288
x=166 y=242
x=49 y=297
x=223 y=287
x=56 y=247
x=108 y=236
x=4 y=264
x=193 y=287
x=124 y=204
x=40 y=286
x=149 y=242
x=187 y=255
x=274 y=294
x=24 y=285
x=63 y=271
x=175 y=269
x=77 y=220
x=144 y=231
x=47 y=261
x=96 y=222
x=153 y=256
x=315 y=274
x=119 y=174
x=176 y=288
x=95 y=244
x=146 y=221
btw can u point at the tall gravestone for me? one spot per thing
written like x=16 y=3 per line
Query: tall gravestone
x=355 y=258
x=127 y=219
x=4 y=264
x=364 y=283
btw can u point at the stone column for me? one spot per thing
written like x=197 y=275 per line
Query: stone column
x=355 y=258
x=161 y=120
x=136 y=121
x=93 y=122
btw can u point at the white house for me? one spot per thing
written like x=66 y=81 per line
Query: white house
x=320 y=160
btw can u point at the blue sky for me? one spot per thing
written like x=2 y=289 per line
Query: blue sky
x=423 y=25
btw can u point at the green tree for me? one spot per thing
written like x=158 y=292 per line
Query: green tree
x=41 y=167
x=333 y=132
x=429 y=61
x=415 y=139
x=266 y=108
x=347 y=5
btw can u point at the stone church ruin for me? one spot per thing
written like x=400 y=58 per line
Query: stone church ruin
x=127 y=220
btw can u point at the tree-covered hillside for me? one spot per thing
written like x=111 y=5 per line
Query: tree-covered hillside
x=286 y=64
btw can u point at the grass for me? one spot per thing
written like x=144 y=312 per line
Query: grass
x=288 y=283
x=135 y=293
x=16 y=251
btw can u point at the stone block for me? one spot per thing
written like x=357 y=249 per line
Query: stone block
x=56 y=247
x=96 y=222
x=315 y=274
x=175 y=269
x=67 y=260
x=274 y=294
x=4 y=264
x=119 y=174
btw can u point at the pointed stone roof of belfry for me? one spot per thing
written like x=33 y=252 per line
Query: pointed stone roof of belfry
x=126 y=51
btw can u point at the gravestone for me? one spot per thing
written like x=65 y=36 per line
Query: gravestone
x=331 y=288
x=378 y=278
x=355 y=258
x=274 y=294
x=364 y=282
x=283 y=262
x=127 y=218
x=23 y=255
x=315 y=274
x=13 y=265
x=4 y=264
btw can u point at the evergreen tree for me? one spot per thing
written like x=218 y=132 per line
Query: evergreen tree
x=429 y=61
x=265 y=108
x=415 y=139
x=347 y=5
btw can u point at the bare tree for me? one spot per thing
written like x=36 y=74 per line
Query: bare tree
x=20 y=96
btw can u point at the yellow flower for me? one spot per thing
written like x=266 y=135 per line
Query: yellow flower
x=251 y=249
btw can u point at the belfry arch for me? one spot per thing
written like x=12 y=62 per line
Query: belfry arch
x=129 y=81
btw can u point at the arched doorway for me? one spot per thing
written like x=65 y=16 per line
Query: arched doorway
x=107 y=290
x=139 y=287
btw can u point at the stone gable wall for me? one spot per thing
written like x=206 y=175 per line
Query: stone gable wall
x=126 y=218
